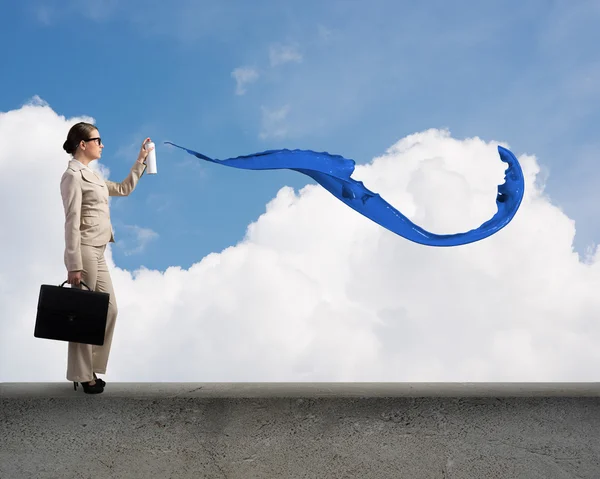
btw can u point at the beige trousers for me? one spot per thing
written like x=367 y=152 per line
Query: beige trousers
x=86 y=359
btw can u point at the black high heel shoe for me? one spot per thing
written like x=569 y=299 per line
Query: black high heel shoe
x=98 y=380
x=95 y=389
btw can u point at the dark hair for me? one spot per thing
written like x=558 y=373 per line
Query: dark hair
x=79 y=131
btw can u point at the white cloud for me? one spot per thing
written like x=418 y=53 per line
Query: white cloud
x=324 y=33
x=49 y=14
x=159 y=202
x=136 y=239
x=274 y=122
x=36 y=100
x=315 y=291
x=98 y=10
x=280 y=54
x=44 y=14
x=244 y=76
x=130 y=150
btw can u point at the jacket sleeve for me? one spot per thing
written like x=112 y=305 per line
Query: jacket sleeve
x=128 y=184
x=70 y=190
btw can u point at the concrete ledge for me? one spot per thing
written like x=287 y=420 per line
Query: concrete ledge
x=301 y=430
x=307 y=390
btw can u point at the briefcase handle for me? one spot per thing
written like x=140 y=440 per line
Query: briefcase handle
x=80 y=282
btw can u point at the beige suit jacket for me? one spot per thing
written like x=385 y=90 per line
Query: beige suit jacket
x=87 y=215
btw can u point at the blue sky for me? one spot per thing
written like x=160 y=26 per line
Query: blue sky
x=348 y=77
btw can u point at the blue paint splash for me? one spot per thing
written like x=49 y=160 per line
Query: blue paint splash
x=333 y=173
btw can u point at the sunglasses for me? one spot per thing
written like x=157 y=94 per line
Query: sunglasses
x=97 y=139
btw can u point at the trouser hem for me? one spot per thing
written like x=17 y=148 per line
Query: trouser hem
x=80 y=379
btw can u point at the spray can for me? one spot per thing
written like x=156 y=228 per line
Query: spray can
x=151 y=158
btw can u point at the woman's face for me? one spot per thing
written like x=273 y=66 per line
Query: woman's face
x=92 y=147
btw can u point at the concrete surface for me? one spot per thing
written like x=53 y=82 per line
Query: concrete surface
x=359 y=430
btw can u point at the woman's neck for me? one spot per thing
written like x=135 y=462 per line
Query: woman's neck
x=82 y=159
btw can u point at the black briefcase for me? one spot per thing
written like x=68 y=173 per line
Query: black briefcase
x=71 y=314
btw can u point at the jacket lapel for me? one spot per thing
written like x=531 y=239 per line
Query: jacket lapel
x=92 y=178
x=87 y=175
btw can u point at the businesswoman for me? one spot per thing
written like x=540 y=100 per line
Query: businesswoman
x=88 y=230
